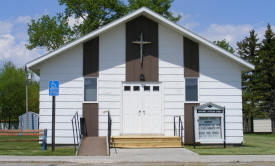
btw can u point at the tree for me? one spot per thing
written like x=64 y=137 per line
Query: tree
x=159 y=6
x=53 y=32
x=248 y=49
x=94 y=13
x=225 y=45
x=12 y=92
x=33 y=95
x=49 y=32
x=12 y=87
x=265 y=68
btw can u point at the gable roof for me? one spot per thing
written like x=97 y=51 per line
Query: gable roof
x=152 y=15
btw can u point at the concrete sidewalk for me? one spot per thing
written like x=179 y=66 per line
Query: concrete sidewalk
x=163 y=155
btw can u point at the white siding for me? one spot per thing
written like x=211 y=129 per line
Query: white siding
x=220 y=83
x=67 y=68
x=111 y=74
x=262 y=125
x=171 y=76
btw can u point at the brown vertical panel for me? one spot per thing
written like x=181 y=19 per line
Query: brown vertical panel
x=191 y=58
x=90 y=113
x=91 y=58
x=188 y=122
x=134 y=69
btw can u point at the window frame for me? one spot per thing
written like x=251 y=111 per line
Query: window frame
x=198 y=92
x=158 y=89
x=139 y=88
x=123 y=88
x=96 y=101
x=147 y=90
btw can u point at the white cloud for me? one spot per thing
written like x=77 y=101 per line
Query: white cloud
x=72 y=21
x=10 y=50
x=23 y=19
x=231 y=33
x=187 y=20
x=213 y=32
x=5 y=27
x=6 y=41
x=190 y=25
x=13 y=38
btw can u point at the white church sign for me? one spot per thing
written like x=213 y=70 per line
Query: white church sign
x=209 y=124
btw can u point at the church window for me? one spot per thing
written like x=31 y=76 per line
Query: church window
x=90 y=89
x=191 y=89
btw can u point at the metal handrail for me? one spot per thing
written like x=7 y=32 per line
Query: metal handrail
x=109 y=132
x=76 y=132
x=178 y=131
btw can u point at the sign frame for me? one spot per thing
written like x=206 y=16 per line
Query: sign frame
x=209 y=110
x=53 y=88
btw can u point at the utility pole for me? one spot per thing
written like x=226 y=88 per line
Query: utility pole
x=27 y=107
x=27 y=78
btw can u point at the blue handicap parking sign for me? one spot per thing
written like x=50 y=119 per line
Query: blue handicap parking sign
x=53 y=88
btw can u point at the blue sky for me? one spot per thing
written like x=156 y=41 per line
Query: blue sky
x=212 y=19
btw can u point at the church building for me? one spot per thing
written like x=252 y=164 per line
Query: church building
x=145 y=70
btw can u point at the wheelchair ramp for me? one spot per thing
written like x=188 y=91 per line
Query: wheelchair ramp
x=93 y=146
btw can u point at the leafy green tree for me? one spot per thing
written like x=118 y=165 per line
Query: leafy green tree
x=160 y=6
x=33 y=96
x=49 y=32
x=12 y=92
x=265 y=83
x=225 y=45
x=94 y=13
x=248 y=49
x=53 y=32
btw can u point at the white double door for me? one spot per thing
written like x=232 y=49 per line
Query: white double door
x=142 y=108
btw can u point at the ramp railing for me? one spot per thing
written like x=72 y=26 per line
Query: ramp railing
x=178 y=127
x=76 y=132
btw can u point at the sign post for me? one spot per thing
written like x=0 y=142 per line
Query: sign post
x=53 y=91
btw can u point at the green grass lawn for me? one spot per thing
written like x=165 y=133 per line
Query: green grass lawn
x=31 y=148
x=261 y=144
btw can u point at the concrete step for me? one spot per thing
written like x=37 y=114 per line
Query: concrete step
x=93 y=146
x=145 y=142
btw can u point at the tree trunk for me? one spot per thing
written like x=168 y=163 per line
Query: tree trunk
x=273 y=124
x=245 y=124
x=252 y=124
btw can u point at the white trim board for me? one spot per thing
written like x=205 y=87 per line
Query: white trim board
x=149 y=13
